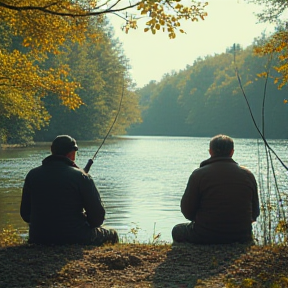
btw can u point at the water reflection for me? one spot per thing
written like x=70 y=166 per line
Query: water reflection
x=141 y=179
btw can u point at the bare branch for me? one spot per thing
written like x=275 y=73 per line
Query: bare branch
x=84 y=13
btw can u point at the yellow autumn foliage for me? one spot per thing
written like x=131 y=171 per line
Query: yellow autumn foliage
x=277 y=45
x=44 y=27
x=9 y=237
x=23 y=79
x=169 y=15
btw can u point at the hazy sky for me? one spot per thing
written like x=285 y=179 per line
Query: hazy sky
x=151 y=56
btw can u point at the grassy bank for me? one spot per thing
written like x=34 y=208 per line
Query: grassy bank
x=140 y=265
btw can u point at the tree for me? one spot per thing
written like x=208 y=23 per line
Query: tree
x=206 y=100
x=276 y=46
x=161 y=13
x=272 y=10
x=164 y=115
x=24 y=78
x=277 y=43
x=102 y=70
x=42 y=28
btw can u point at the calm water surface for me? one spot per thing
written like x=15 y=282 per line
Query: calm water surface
x=141 y=179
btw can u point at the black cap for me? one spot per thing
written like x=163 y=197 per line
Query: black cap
x=63 y=144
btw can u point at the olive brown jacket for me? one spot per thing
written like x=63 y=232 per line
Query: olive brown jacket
x=221 y=199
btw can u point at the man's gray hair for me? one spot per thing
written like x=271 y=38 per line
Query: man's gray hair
x=221 y=145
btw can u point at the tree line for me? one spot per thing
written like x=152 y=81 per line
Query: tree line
x=75 y=89
x=103 y=71
x=61 y=70
x=206 y=98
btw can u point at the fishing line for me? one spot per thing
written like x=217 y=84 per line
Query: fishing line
x=91 y=161
x=251 y=114
x=268 y=150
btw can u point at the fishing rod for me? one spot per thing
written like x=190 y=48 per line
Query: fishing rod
x=91 y=161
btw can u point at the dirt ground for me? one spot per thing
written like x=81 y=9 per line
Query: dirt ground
x=142 y=265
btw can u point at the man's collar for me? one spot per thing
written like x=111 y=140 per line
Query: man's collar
x=216 y=159
x=59 y=158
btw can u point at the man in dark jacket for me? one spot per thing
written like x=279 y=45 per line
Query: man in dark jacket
x=61 y=202
x=220 y=200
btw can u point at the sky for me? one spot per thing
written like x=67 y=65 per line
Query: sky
x=151 y=56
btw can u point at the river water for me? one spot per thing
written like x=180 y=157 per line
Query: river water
x=140 y=179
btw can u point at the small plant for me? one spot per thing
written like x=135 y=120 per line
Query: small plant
x=132 y=236
x=156 y=237
x=134 y=231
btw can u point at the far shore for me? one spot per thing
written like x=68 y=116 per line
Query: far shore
x=48 y=143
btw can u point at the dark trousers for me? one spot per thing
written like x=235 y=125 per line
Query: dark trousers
x=185 y=232
x=101 y=235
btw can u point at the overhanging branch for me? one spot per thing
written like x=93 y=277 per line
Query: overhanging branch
x=83 y=13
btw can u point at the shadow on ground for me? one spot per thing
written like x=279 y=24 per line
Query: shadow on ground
x=121 y=265
x=33 y=265
x=189 y=265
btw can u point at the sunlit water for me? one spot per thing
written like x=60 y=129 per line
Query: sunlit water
x=141 y=179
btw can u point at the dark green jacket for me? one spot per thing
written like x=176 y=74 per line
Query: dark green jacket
x=54 y=198
x=222 y=198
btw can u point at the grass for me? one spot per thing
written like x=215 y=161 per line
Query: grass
x=140 y=265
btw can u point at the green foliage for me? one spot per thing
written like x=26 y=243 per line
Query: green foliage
x=61 y=70
x=102 y=71
x=16 y=131
x=26 y=40
x=205 y=99
x=161 y=109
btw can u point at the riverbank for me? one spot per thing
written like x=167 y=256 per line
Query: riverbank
x=48 y=143
x=143 y=265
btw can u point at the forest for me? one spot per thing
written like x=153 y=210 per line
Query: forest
x=58 y=78
x=206 y=99
x=63 y=71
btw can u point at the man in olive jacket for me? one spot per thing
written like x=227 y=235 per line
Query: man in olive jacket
x=221 y=199
x=61 y=202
